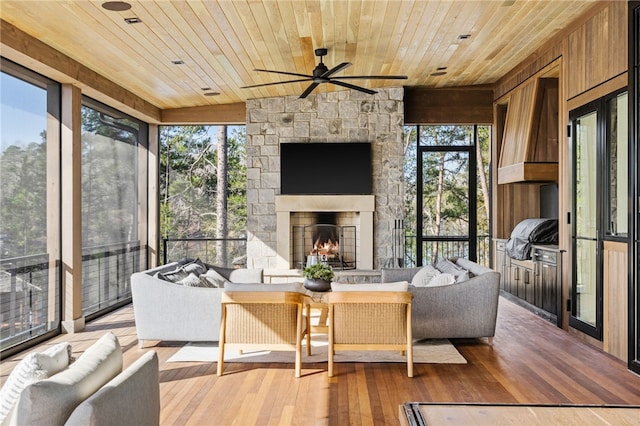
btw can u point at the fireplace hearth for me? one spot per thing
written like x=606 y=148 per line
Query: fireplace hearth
x=332 y=244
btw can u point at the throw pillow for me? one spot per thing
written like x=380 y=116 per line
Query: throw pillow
x=32 y=368
x=213 y=279
x=442 y=279
x=424 y=276
x=191 y=280
x=397 y=286
x=447 y=266
x=196 y=267
x=173 y=276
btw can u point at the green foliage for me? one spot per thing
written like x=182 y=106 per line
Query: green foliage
x=318 y=271
x=188 y=165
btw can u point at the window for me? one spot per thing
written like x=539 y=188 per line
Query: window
x=29 y=207
x=111 y=246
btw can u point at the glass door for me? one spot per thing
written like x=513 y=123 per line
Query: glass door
x=446 y=193
x=587 y=288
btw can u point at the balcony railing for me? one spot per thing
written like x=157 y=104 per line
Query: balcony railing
x=435 y=250
x=106 y=272
x=29 y=298
x=218 y=251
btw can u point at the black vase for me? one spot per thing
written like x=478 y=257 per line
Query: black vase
x=314 y=284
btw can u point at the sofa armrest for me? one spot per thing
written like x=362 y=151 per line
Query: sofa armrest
x=132 y=397
x=168 y=311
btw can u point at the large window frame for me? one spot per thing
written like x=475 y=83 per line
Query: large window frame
x=42 y=271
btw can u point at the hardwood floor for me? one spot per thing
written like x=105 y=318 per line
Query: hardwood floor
x=531 y=361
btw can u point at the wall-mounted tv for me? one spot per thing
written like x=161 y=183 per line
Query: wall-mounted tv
x=325 y=168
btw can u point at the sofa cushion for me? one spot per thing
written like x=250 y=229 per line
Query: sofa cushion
x=397 y=286
x=32 y=368
x=424 y=276
x=295 y=287
x=51 y=401
x=131 y=398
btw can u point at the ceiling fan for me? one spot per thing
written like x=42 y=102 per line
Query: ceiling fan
x=322 y=74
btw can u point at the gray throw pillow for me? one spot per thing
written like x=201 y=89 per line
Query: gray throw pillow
x=212 y=279
x=191 y=280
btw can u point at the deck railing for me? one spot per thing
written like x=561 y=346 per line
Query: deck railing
x=218 y=251
x=434 y=250
x=106 y=272
x=26 y=285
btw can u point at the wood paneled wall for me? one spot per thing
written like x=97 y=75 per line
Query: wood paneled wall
x=592 y=57
x=460 y=105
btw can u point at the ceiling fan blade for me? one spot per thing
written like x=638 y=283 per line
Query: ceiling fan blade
x=308 y=90
x=277 y=82
x=373 y=77
x=336 y=69
x=284 y=72
x=351 y=86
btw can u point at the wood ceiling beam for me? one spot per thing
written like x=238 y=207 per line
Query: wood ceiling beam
x=30 y=52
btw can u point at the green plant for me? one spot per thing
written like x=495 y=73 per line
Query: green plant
x=318 y=271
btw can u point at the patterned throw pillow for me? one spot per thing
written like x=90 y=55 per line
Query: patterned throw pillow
x=442 y=279
x=191 y=280
x=212 y=279
x=196 y=267
x=447 y=266
x=32 y=368
x=423 y=277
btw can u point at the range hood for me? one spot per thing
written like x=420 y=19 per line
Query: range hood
x=529 y=150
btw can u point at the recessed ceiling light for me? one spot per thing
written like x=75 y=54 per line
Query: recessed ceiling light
x=211 y=93
x=437 y=73
x=133 y=20
x=177 y=62
x=116 y=6
x=464 y=36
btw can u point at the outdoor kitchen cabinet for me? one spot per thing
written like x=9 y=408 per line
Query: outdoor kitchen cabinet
x=547 y=261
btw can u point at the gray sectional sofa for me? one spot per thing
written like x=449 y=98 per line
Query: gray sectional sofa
x=466 y=309
x=167 y=311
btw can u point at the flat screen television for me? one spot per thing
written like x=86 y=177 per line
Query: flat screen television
x=327 y=168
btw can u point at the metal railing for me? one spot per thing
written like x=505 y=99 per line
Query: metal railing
x=434 y=250
x=29 y=298
x=106 y=272
x=218 y=251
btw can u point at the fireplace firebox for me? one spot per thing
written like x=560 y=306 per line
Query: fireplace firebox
x=334 y=245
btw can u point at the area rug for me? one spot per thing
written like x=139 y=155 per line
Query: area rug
x=436 y=351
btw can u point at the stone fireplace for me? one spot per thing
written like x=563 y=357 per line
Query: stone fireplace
x=345 y=116
x=296 y=210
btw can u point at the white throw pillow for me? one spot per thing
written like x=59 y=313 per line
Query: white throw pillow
x=442 y=279
x=191 y=280
x=32 y=368
x=397 y=286
x=423 y=277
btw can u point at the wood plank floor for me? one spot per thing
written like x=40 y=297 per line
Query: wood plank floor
x=531 y=361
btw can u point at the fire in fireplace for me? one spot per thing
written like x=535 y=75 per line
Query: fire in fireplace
x=328 y=243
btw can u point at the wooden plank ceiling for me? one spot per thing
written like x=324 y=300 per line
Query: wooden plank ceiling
x=221 y=42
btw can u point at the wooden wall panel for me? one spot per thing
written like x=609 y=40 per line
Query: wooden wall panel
x=515 y=202
x=615 y=325
x=462 y=105
x=597 y=51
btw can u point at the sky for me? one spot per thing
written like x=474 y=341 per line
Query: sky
x=23 y=112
